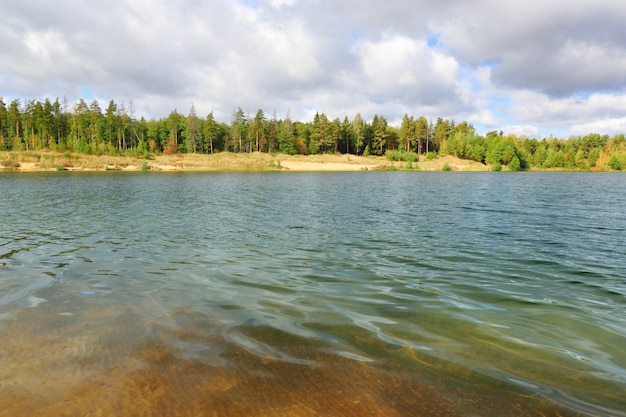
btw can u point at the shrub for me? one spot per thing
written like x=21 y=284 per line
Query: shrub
x=615 y=164
x=10 y=164
x=446 y=167
x=496 y=167
x=431 y=155
x=514 y=165
x=399 y=155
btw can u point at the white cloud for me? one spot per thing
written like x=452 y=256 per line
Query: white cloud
x=560 y=47
x=397 y=71
x=611 y=126
x=280 y=3
x=529 y=131
x=538 y=107
x=492 y=63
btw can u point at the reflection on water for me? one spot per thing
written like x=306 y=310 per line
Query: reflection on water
x=382 y=294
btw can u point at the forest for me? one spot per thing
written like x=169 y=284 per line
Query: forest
x=86 y=128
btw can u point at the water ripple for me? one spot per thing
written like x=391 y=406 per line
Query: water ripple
x=516 y=278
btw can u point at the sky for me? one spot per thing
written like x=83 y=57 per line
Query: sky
x=532 y=67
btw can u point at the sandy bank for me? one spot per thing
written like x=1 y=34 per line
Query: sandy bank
x=225 y=161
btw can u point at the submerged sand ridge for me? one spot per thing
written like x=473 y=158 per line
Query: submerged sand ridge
x=94 y=358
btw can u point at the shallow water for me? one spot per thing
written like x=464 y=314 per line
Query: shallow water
x=341 y=294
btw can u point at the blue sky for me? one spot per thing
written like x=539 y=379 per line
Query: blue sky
x=532 y=68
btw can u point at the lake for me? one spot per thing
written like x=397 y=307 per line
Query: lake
x=303 y=294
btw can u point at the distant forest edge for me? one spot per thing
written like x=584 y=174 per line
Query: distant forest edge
x=85 y=128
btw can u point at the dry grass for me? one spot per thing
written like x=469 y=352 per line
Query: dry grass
x=223 y=161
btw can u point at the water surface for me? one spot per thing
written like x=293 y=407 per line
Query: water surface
x=383 y=294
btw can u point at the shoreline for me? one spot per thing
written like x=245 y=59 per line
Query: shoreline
x=48 y=161
x=224 y=162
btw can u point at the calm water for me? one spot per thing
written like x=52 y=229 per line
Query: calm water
x=379 y=293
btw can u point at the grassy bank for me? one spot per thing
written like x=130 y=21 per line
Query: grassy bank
x=223 y=161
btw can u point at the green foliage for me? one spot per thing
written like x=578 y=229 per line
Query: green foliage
x=446 y=167
x=287 y=138
x=400 y=155
x=593 y=156
x=87 y=127
x=514 y=165
x=555 y=160
x=496 y=167
x=275 y=164
x=615 y=164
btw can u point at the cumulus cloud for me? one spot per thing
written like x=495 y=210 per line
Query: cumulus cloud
x=527 y=66
x=559 y=47
x=611 y=126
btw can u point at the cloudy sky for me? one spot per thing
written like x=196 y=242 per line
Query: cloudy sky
x=534 y=67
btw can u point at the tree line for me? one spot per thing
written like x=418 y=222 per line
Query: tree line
x=87 y=128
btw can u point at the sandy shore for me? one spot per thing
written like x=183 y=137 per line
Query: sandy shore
x=225 y=161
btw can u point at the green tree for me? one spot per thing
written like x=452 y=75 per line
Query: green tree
x=111 y=124
x=96 y=124
x=4 y=131
x=514 y=165
x=358 y=132
x=258 y=130
x=555 y=159
x=345 y=134
x=286 y=137
x=335 y=134
x=174 y=123
x=272 y=130
x=238 y=130
x=122 y=126
x=210 y=132
x=321 y=138
x=442 y=132
x=407 y=132
x=422 y=135
x=379 y=139
x=192 y=131
x=615 y=164
x=80 y=127
x=28 y=125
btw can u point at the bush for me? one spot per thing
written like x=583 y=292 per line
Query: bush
x=615 y=164
x=497 y=167
x=399 y=155
x=431 y=155
x=446 y=167
x=514 y=165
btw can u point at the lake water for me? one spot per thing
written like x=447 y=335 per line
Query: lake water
x=302 y=294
